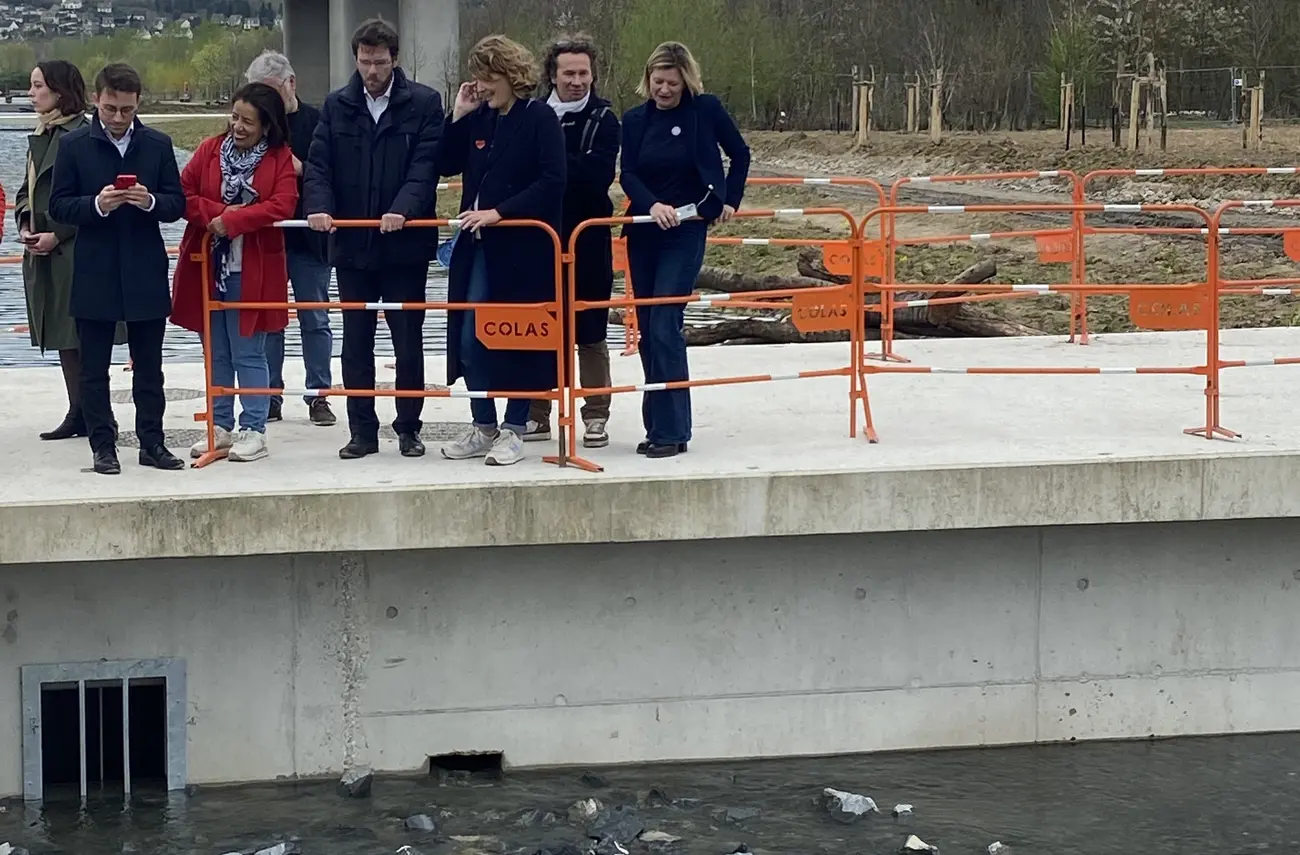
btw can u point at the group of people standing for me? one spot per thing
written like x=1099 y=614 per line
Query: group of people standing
x=96 y=267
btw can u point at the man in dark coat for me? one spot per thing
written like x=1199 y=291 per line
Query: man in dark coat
x=374 y=157
x=120 y=263
x=591 y=138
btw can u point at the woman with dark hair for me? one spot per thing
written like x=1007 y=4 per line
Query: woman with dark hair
x=58 y=95
x=672 y=171
x=237 y=186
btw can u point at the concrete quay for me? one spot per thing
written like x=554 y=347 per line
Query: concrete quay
x=772 y=459
x=1020 y=559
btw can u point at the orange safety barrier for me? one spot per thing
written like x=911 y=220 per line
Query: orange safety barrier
x=812 y=309
x=1262 y=287
x=532 y=320
x=1054 y=246
x=1191 y=306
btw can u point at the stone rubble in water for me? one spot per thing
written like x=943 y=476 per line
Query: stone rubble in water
x=847 y=807
x=609 y=846
x=997 y=847
x=355 y=783
x=285 y=848
x=408 y=850
x=916 y=844
x=420 y=822
x=620 y=823
x=902 y=810
x=657 y=837
x=563 y=849
x=10 y=849
x=584 y=811
x=591 y=779
x=738 y=849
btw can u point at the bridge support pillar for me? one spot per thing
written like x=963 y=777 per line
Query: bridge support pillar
x=318 y=40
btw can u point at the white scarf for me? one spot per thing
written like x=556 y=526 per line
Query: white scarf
x=562 y=108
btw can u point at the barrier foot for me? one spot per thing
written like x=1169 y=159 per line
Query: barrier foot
x=887 y=357
x=868 y=426
x=1212 y=432
x=577 y=462
x=210 y=458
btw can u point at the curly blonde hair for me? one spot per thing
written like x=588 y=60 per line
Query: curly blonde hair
x=672 y=55
x=498 y=56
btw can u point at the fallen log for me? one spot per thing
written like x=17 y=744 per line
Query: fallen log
x=944 y=321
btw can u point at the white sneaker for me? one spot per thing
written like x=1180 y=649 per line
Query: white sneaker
x=475 y=443
x=537 y=432
x=249 y=445
x=507 y=449
x=224 y=441
x=595 y=435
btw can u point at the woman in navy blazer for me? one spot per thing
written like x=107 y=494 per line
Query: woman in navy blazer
x=672 y=170
x=510 y=150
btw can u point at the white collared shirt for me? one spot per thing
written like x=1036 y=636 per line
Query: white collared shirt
x=377 y=106
x=122 y=145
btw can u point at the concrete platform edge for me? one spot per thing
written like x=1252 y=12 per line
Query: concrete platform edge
x=1174 y=489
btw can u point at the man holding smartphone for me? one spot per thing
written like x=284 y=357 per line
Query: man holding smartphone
x=117 y=181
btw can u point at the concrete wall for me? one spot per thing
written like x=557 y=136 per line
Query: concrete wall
x=318 y=35
x=618 y=653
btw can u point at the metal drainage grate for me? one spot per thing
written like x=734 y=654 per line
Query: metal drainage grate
x=123 y=396
x=432 y=431
x=121 y=674
x=173 y=439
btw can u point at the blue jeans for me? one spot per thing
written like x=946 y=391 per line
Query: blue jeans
x=310 y=277
x=472 y=353
x=245 y=356
x=665 y=263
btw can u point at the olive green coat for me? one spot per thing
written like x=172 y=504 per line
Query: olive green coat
x=48 y=279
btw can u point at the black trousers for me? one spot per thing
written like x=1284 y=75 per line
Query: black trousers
x=145 y=340
x=404 y=284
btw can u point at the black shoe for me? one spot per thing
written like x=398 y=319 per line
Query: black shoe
x=358 y=448
x=650 y=449
x=159 y=457
x=106 y=462
x=410 y=445
x=276 y=413
x=321 y=414
x=72 y=426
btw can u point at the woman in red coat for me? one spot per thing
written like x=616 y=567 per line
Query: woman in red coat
x=236 y=187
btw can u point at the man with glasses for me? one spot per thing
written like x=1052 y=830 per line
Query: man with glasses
x=116 y=180
x=373 y=157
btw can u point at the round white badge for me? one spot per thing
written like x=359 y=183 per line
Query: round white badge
x=677 y=132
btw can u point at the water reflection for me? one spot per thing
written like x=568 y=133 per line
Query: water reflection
x=179 y=345
x=1221 y=795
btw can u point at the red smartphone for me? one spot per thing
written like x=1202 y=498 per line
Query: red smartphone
x=124 y=182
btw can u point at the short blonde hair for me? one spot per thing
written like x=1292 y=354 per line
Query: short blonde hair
x=672 y=55
x=498 y=56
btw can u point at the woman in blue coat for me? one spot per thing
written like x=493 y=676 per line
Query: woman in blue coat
x=672 y=171
x=510 y=150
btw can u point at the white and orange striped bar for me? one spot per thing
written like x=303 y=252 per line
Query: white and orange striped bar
x=1261 y=362
x=960 y=179
x=1019 y=370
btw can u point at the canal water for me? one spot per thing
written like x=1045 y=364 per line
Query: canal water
x=1225 y=795
x=179 y=345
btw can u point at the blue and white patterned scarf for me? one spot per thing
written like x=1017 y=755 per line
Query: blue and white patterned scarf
x=237 y=168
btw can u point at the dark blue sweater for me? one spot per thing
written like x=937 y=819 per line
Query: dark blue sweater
x=705 y=126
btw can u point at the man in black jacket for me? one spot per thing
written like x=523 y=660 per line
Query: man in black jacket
x=591 y=134
x=374 y=157
x=120 y=260
x=306 y=252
